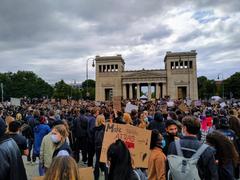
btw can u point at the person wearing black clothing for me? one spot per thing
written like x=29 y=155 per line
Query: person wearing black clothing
x=157 y=123
x=18 y=138
x=12 y=167
x=170 y=135
x=91 y=126
x=207 y=168
x=98 y=140
x=80 y=132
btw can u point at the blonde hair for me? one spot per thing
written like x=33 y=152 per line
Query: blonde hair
x=18 y=117
x=63 y=168
x=100 y=120
x=62 y=131
x=127 y=118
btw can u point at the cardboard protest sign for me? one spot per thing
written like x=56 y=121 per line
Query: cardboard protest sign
x=64 y=102
x=38 y=178
x=182 y=107
x=136 y=139
x=15 y=101
x=117 y=103
x=129 y=107
x=86 y=173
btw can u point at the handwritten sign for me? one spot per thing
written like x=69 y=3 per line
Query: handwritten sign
x=136 y=139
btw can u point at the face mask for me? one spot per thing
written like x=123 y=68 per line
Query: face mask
x=163 y=143
x=54 y=139
x=146 y=119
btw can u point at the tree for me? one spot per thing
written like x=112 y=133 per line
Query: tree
x=24 y=83
x=232 y=86
x=206 y=88
x=88 y=87
x=62 y=90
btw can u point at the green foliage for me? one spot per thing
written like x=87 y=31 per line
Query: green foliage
x=232 y=85
x=206 y=87
x=24 y=83
x=65 y=91
x=88 y=87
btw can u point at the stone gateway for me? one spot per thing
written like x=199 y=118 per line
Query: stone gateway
x=178 y=80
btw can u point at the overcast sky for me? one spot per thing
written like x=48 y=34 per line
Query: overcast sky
x=54 y=38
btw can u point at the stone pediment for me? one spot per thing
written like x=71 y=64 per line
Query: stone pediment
x=144 y=74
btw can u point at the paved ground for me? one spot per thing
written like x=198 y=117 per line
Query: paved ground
x=32 y=169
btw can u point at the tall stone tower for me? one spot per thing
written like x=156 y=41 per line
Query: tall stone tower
x=181 y=68
x=108 y=77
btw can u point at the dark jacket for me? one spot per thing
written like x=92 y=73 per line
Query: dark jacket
x=98 y=136
x=160 y=126
x=12 y=167
x=207 y=168
x=65 y=147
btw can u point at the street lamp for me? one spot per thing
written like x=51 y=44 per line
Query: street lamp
x=222 y=83
x=87 y=94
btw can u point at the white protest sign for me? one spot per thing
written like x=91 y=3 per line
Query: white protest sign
x=15 y=101
x=129 y=107
x=170 y=104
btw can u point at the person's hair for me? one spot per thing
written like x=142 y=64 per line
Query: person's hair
x=170 y=122
x=18 y=116
x=155 y=138
x=133 y=113
x=192 y=124
x=225 y=149
x=100 y=120
x=63 y=168
x=158 y=117
x=127 y=118
x=94 y=110
x=62 y=130
x=51 y=113
x=120 y=161
x=14 y=126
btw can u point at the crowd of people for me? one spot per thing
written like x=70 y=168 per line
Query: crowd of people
x=201 y=142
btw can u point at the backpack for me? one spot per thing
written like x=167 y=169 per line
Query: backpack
x=140 y=174
x=181 y=168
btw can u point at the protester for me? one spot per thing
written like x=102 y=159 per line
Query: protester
x=157 y=123
x=12 y=167
x=170 y=135
x=120 y=162
x=59 y=136
x=14 y=132
x=63 y=168
x=98 y=140
x=143 y=124
x=226 y=155
x=157 y=159
x=80 y=133
x=207 y=169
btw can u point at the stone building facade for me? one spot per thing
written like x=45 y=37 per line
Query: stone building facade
x=178 y=80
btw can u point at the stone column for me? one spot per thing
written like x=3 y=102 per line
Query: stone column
x=124 y=91
x=149 y=91
x=164 y=89
x=138 y=91
x=157 y=91
x=130 y=91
